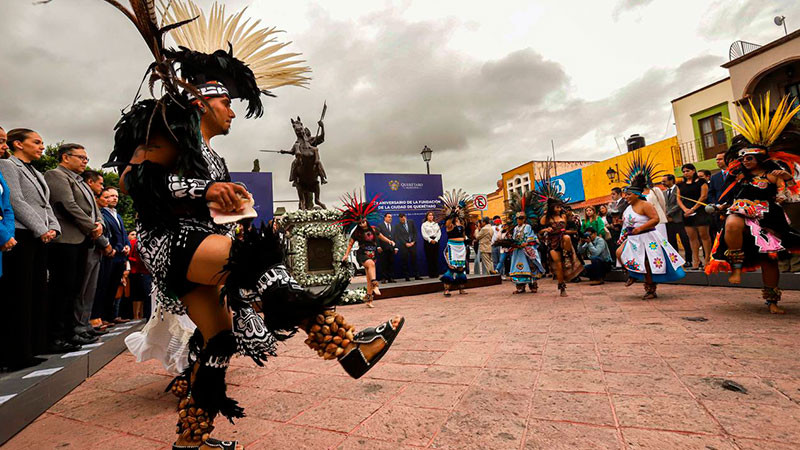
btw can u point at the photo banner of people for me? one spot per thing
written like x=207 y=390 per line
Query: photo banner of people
x=260 y=185
x=413 y=195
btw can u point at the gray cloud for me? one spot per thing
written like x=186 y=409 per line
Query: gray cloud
x=73 y=64
x=748 y=20
x=626 y=6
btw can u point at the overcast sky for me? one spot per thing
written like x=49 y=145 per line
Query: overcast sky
x=486 y=85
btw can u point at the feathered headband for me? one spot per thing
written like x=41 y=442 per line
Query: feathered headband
x=640 y=173
x=455 y=203
x=356 y=209
x=759 y=127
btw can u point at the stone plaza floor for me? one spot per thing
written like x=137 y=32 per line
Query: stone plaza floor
x=600 y=369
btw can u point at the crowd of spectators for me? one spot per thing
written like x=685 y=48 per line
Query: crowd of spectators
x=69 y=270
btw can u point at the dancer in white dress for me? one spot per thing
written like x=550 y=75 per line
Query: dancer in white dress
x=644 y=251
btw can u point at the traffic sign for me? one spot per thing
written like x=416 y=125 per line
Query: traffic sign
x=480 y=203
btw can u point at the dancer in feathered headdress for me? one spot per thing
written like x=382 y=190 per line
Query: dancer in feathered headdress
x=644 y=250
x=162 y=151
x=557 y=228
x=357 y=215
x=646 y=165
x=526 y=263
x=454 y=212
x=764 y=166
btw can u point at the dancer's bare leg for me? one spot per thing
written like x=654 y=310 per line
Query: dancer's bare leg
x=770 y=275
x=372 y=288
x=734 y=227
x=649 y=286
x=203 y=304
x=555 y=258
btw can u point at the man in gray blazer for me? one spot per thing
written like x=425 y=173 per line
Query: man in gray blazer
x=77 y=213
x=674 y=213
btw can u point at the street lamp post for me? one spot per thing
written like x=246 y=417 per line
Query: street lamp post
x=426 y=156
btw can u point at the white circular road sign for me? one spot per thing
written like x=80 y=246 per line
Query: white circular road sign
x=480 y=202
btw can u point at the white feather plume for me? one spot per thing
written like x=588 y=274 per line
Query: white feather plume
x=256 y=47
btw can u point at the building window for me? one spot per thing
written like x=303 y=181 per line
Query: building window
x=712 y=136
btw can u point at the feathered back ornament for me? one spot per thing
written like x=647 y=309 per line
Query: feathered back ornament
x=641 y=165
x=637 y=185
x=547 y=193
x=455 y=203
x=527 y=204
x=758 y=126
x=356 y=209
x=257 y=47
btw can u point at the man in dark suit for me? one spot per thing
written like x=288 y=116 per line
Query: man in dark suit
x=386 y=251
x=715 y=188
x=74 y=207
x=118 y=238
x=675 y=226
x=405 y=236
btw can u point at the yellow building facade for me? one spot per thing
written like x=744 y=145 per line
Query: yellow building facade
x=596 y=183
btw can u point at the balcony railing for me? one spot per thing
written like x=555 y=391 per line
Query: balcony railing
x=741 y=48
x=693 y=151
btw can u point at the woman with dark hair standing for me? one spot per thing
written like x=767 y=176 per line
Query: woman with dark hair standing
x=431 y=234
x=693 y=193
x=25 y=266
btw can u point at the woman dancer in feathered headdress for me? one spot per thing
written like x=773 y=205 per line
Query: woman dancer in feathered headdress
x=454 y=212
x=763 y=165
x=526 y=263
x=178 y=183
x=554 y=221
x=643 y=250
x=357 y=215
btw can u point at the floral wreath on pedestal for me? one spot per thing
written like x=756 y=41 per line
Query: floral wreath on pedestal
x=318 y=223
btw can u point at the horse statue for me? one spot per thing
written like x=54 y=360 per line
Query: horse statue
x=307 y=172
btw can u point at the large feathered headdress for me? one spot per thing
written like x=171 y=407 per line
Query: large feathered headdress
x=356 y=209
x=547 y=192
x=767 y=136
x=527 y=204
x=256 y=47
x=759 y=127
x=216 y=55
x=640 y=173
x=455 y=203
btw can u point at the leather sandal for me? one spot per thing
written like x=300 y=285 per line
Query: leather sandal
x=210 y=442
x=354 y=362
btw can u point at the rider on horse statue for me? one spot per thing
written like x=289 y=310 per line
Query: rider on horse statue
x=307 y=171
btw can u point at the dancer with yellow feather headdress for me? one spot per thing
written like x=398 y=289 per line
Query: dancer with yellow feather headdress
x=764 y=167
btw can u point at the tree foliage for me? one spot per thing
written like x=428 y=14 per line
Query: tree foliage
x=49 y=161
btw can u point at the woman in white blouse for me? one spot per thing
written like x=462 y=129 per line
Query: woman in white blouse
x=431 y=233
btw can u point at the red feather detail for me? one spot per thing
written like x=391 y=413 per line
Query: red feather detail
x=790 y=159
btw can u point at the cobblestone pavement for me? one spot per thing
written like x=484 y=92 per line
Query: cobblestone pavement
x=600 y=369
